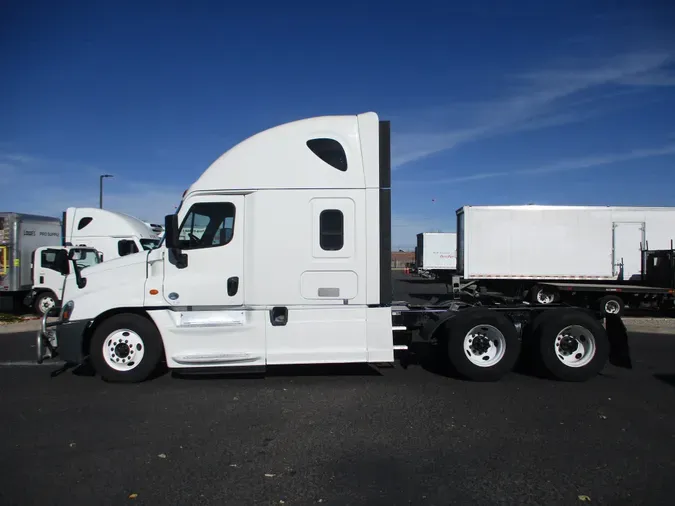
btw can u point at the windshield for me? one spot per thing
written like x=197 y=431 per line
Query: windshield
x=86 y=258
x=149 y=244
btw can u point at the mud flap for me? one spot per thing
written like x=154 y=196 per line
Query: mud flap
x=619 y=352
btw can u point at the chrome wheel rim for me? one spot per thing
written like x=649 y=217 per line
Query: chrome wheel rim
x=575 y=346
x=123 y=350
x=484 y=345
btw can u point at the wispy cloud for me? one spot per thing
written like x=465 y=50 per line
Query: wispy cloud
x=569 y=164
x=539 y=99
x=44 y=188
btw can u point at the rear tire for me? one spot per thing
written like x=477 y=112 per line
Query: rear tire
x=571 y=345
x=126 y=348
x=44 y=302
x=482 y=345
x=612 y=304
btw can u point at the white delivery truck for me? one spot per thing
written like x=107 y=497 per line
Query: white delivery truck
x=96 y=235
x=280 y=253
x=20 y=235
x=583 y=255
x=436 y=251
x=48 y=280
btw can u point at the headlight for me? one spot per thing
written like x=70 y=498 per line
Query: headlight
x=67 y=310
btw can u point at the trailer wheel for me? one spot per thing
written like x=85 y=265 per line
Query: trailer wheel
x=572 y=345
x=612 y=304
x=482 y=345
x=543 y=295
x=126 y=348
x=44 y=302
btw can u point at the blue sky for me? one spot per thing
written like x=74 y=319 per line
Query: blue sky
x=490 y=102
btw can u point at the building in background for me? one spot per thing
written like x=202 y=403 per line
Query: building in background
x=401 y=259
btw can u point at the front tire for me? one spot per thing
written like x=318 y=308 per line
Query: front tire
x=571 y=345
x=126 y=348
x=44 y=302
x=482 y=345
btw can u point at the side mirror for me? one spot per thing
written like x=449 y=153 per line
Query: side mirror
x=176 y=257
x=171 y=231
x=61 y=262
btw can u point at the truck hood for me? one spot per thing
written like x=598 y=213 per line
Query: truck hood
x=112 y=284
x=116 y=264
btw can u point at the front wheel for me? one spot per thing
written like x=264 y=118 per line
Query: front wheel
x=44 y=302
x=126 y=348
x=482 y=345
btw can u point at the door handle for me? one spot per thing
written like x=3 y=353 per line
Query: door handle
x=232 y=286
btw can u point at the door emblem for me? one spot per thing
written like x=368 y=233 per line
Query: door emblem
x=173 y=295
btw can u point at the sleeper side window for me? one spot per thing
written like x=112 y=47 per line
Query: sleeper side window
x=331 y=230
x=330 y=151
x=207 y=225
x=84 y=222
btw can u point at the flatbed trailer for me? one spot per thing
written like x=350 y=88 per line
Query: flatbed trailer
x=213 y=296
x=656 y=287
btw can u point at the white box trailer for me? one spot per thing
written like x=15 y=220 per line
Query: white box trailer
x=559 y=242
x=436 y=251
x=20 y=235
x=525 y=247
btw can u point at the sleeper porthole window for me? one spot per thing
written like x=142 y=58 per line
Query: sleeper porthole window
x=330 y=151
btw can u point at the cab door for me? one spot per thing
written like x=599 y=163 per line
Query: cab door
x=46 y=273
x=210 y=273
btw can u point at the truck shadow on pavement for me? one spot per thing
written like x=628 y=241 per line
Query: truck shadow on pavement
x=432 y=360
x=283 y=371
x=666 y=378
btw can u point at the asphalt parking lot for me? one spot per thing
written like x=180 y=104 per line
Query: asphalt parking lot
x=339 y=436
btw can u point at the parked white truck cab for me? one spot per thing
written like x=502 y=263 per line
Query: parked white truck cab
x=113 y=234
x=280 y=253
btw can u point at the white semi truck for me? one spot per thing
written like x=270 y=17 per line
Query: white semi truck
x=279 y=253
x=113 y=234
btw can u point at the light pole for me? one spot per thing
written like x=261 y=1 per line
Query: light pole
x=100 y=189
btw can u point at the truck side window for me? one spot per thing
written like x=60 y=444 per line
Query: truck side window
x=48 y=260
x=84 y=222
x=207 y=225
x=126 y=247
x=331 y=230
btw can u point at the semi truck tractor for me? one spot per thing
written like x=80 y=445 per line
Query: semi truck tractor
x=279 y=253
